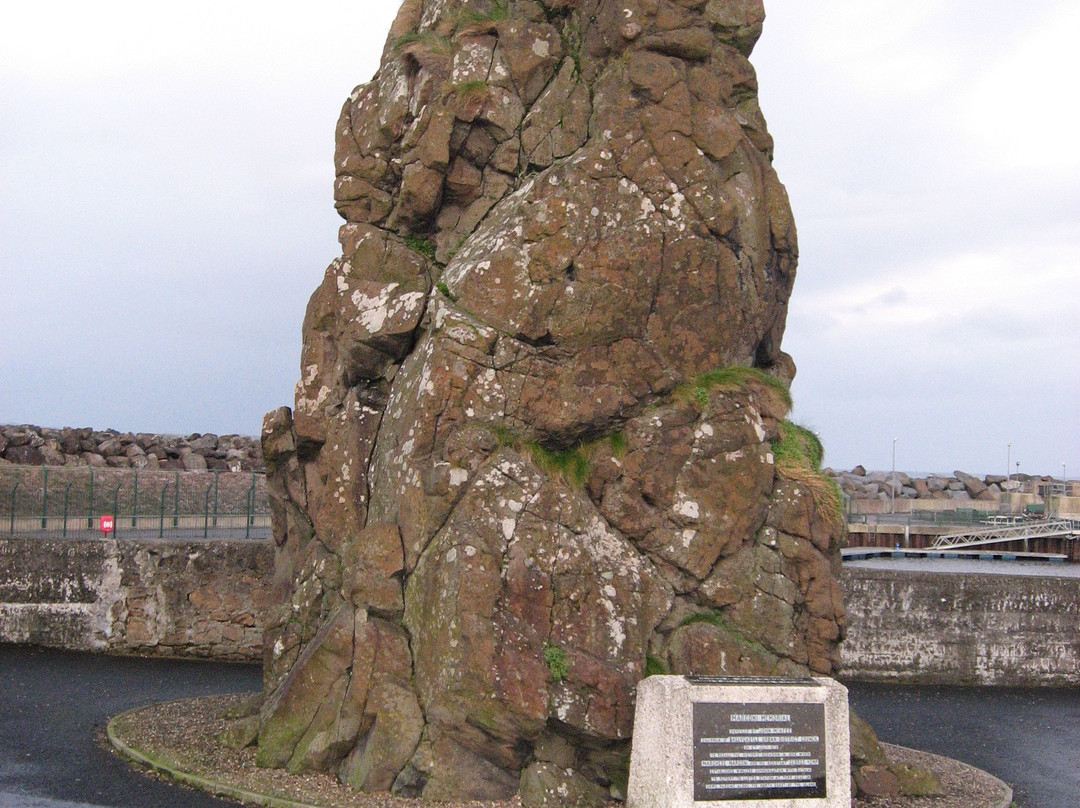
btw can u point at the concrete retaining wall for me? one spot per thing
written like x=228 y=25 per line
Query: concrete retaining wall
x=156 y=598
x=950 y=628
x=206 y=599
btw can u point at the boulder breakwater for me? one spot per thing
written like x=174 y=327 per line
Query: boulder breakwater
x=41 y=446
x=26 y=444
x=881 y=491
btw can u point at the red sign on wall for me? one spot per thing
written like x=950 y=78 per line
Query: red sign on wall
x=108 y=524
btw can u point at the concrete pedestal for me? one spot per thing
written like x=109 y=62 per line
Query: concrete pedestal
x=750 y=743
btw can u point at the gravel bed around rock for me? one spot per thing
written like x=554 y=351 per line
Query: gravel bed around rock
x=181 y=736
x=964 y=786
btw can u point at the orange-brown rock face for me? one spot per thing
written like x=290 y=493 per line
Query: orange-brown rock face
x=509 y=485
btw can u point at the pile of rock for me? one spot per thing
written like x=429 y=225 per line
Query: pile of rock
x=36 y=446
x=862 y=484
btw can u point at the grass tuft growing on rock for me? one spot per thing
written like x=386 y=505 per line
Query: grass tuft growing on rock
x=571 y=464
x=558 y=664
x=798 y=445
x=736 y=377
x=445 y=291
x=467 y=92
x=798 y=454
x=713 y=617
x=472 y=22
x=504 y=436
x=426 y=48
x=421 y=245
x=428 y=39
x=617 y=440
x=654 y=666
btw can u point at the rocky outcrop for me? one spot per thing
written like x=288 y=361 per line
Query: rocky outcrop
x=37 y=446
x=535 y=453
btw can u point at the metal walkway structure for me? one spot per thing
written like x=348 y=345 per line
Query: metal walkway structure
x=1050 y=528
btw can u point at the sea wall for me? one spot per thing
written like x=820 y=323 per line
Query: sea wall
x=205 y=599
x=151 y=598
x=950 y=628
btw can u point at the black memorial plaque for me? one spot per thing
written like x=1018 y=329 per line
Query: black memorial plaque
x=759 y=751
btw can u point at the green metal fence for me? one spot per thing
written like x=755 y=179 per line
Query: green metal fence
x=62 y=501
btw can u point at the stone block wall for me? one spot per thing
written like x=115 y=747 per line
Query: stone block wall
x=973 y=629
x=202 y=599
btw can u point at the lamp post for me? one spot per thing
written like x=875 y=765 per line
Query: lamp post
x=1008 y=466
x=892 y=488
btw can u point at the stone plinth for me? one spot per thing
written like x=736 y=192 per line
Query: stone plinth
x=752 y=743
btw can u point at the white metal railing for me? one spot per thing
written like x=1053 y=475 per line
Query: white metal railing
x=1066 y=528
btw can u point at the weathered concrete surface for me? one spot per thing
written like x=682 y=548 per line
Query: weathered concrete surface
x=945 y=628
x=160 y=598
x=662 y=767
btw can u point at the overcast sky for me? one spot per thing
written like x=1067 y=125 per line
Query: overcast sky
x=166 y=210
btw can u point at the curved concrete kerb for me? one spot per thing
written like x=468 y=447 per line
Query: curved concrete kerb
x=173 y=772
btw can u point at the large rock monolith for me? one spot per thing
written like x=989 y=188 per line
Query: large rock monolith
x=538 y=448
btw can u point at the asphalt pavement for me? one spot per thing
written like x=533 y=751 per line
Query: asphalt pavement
x=1030 y=738
x=54 y=706
x=53 y=709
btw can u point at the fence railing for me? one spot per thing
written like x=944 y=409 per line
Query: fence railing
x=959 y=517
x=965 y=516
x=62 y=501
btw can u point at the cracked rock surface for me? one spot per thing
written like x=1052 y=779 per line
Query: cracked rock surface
x=505 y=493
